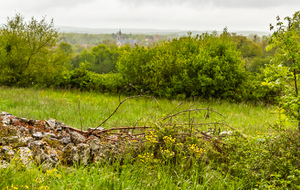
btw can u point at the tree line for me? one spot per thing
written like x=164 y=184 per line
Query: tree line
x=226 y=66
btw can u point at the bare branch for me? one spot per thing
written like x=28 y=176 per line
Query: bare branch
x=189 y=110
x=131 y=97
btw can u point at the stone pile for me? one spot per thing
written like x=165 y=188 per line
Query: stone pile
x=51 y=141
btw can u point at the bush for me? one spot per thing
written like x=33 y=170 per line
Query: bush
x=266 y=161
x=205 y=66
x=82 y=79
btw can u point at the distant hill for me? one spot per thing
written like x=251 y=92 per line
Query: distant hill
x=115 y=30
x=67 y=29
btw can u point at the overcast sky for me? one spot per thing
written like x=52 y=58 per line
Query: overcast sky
x=237 y=15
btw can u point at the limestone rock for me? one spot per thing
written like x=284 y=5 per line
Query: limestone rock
x=37 y=147
x=7 y=153
x=3 y=164
x=77 y=138
x=70 y=154
x=52 y=123
x=5 y=114
x=25 y=140
x=65 y=140
x=25 y=155
x=95 y=129
x=13 y=139
x=83 y=153
x=37 y=135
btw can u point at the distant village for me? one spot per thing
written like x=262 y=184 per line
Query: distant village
x=149 y=40
x=86 y=41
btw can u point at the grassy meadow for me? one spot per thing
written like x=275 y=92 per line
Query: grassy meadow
x=68 y=106
x=262 y=159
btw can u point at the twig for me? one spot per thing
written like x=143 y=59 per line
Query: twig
x=195 y=124
x=190 y=126
x=80 y=114
x=48 y=123
x=189 y=110
x=119 y=128
x=128 y=134
x=67 y=127
x=206 y=116
x=215 y=142
x=240 y=133
x=77 y=130
x=174 y=109
x=138 y=96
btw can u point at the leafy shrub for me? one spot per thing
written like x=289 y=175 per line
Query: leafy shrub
x=81 y=78
x=205 y=66
x=266 y=161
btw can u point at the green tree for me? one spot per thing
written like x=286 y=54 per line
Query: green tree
x=285 y=71
x=105 y=58
x=26 y=52
x=249 y=51
x=66 y=48
x=82 y=57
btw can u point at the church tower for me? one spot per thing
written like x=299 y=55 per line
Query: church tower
x=119 y=39
x=120 y=36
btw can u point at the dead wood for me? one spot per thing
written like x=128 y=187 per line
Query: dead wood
x=190 y=110
x=117 y=128
x=121 y=102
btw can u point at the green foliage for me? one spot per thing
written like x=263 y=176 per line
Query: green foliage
x=205 y=66
x=266 y=161
x=257 y=93
x=66 y=48
x=284 y=73
x=82 y=79
x=27 y=54
x=102 y=58
x=82 y=57
x=258 y=162
x=247 y=47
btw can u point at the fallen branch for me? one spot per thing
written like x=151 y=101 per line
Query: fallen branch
x=215 y=142
x=70 y=128
x=189 y=110
x=195 y=124
x=174 y=109
x=121 y=102
x=117 y=128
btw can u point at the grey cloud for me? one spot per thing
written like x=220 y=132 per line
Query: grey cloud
x=216 y=3
x=33 y=5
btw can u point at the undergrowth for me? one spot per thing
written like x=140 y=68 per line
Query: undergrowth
x=166 y=161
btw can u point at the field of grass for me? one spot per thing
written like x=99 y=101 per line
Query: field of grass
x=64 y=106
x=265 y=158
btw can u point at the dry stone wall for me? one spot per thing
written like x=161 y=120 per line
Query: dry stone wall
x=51 y=142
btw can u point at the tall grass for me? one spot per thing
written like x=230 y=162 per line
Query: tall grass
x=262 y=161
x=92 y=108
x=108 y=177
